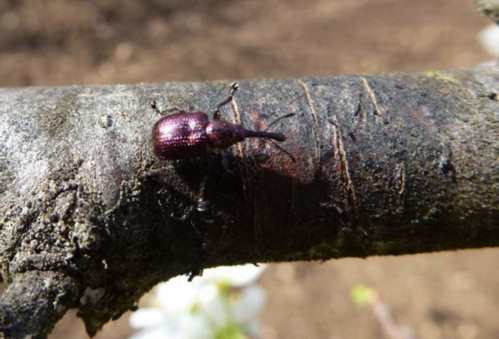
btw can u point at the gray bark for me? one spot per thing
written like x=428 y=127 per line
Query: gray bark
x=392 y=164
x=33 y=302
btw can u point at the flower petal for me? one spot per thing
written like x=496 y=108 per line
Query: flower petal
x=489 y=37
x=177 y=294
x=236 y=276
x=146 y=317
x=213 y=306
x=248 y=306
x=194 y=327
x=160 y=332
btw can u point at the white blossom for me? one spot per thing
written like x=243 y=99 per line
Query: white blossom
x=489 y=38
x=235 y=276
x=225 y=300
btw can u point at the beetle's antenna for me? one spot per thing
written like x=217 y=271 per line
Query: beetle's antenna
x=289 y=115
x=279 y=147
x=233 y=89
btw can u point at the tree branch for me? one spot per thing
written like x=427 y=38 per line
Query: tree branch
x=384 y=165
x=33 y=303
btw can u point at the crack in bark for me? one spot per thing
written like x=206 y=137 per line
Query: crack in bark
x=378 y=111
x=315 y=116
x=400 y=176
x=341 y=155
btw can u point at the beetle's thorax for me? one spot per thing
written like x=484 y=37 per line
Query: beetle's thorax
x=223 y=134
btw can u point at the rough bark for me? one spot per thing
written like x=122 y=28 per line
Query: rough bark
x=33 y=302
x=489 y=8
x=385 y=165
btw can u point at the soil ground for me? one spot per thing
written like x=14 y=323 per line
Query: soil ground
x=56 y=42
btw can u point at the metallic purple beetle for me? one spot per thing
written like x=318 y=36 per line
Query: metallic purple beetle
x=189 y=134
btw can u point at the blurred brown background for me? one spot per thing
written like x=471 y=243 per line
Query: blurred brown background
x=56 y=42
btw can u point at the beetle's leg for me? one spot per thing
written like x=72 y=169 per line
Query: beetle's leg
x=201 y=220
x=211 y=163
x=154 y=106
x=202 y=202
x=201 y=216
x=195 y=215
x=197 y=262
x=233 y=89
x=195 y=271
